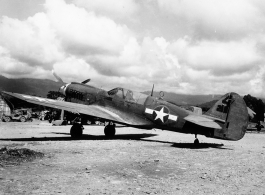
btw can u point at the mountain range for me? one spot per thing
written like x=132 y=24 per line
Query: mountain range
x=41 y=87
x=37 y=87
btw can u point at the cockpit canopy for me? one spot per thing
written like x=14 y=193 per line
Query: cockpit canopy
x=128 y=95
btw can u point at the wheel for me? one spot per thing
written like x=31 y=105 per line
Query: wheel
x=7 y=119
x=64 y=122
x=109 y=130
x=196 y=142
x=76 y=130
x=22 y=119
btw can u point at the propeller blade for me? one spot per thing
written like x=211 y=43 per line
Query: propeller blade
x=152 y=90
x=86 y=81
x=57 y=77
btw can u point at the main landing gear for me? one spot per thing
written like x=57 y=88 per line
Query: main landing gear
x=110 y=130
x=196 y=141
x=76 y=130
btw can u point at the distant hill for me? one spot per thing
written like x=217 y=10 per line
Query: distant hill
x=41 y=87
x=38 y=87
x=207 y=105
x=186 y=99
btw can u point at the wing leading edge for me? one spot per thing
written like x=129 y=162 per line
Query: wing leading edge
x=91 y=110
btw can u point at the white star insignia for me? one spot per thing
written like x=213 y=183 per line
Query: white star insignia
x=160 y=114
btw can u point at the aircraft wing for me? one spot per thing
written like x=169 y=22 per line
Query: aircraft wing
x=91 y=110
x=209 y=122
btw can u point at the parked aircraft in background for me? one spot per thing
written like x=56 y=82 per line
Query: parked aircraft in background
x=227 y=119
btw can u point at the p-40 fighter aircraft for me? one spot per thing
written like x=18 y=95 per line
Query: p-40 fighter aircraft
x=227 y=119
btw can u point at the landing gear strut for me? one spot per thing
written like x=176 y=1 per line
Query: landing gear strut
x=196 y=141
x=110 y=130
x=76 y=130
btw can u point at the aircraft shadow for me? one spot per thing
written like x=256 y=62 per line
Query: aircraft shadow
x=137 y=137
x=84 y=137
x=190 y=145
x=200 y=146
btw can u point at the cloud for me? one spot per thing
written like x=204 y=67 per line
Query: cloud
x=82 y=32
x=13 y=68
x=257 y=83
x=224 y=19
x=30 y=41
x=220 y=58
x=197 y=47
x=148 y=61
x=114 y=8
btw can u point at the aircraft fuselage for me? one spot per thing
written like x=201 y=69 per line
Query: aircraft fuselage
x=133 y=105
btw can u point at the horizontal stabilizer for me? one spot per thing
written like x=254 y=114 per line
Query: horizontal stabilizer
x=202 y=121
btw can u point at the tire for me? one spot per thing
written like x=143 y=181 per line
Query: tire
x=196 y=142
x=22 y=119
x=76 y=130
x=109 y=130
x=64 y=122
x=7 y=119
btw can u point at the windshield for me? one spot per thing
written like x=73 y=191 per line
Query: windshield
x=128 y=95
x=117 y=91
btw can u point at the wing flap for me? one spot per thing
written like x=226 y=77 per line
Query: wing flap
x=203 y=121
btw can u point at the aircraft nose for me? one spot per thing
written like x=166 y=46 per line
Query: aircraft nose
x=62 y=89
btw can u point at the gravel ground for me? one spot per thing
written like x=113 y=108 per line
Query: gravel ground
x=134 y=162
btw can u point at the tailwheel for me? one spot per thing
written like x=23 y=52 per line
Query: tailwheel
x=76 y=130
x=110 y=130
x=196 y=141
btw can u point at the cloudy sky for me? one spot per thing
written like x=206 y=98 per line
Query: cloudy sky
x=182 y=46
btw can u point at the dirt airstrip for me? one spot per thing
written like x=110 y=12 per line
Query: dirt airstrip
x=134 y=162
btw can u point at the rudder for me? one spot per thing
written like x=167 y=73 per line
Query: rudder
x=233 y=110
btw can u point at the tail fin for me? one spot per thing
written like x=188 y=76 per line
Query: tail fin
x=233 y=110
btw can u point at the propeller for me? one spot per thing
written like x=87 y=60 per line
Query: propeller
x=59 y=79
x=152 y=90
x=86 y=81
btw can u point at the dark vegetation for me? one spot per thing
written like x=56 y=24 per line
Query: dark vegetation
x=54 y=95
x=17 y=155
x=256 y=105
x=253 y=103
